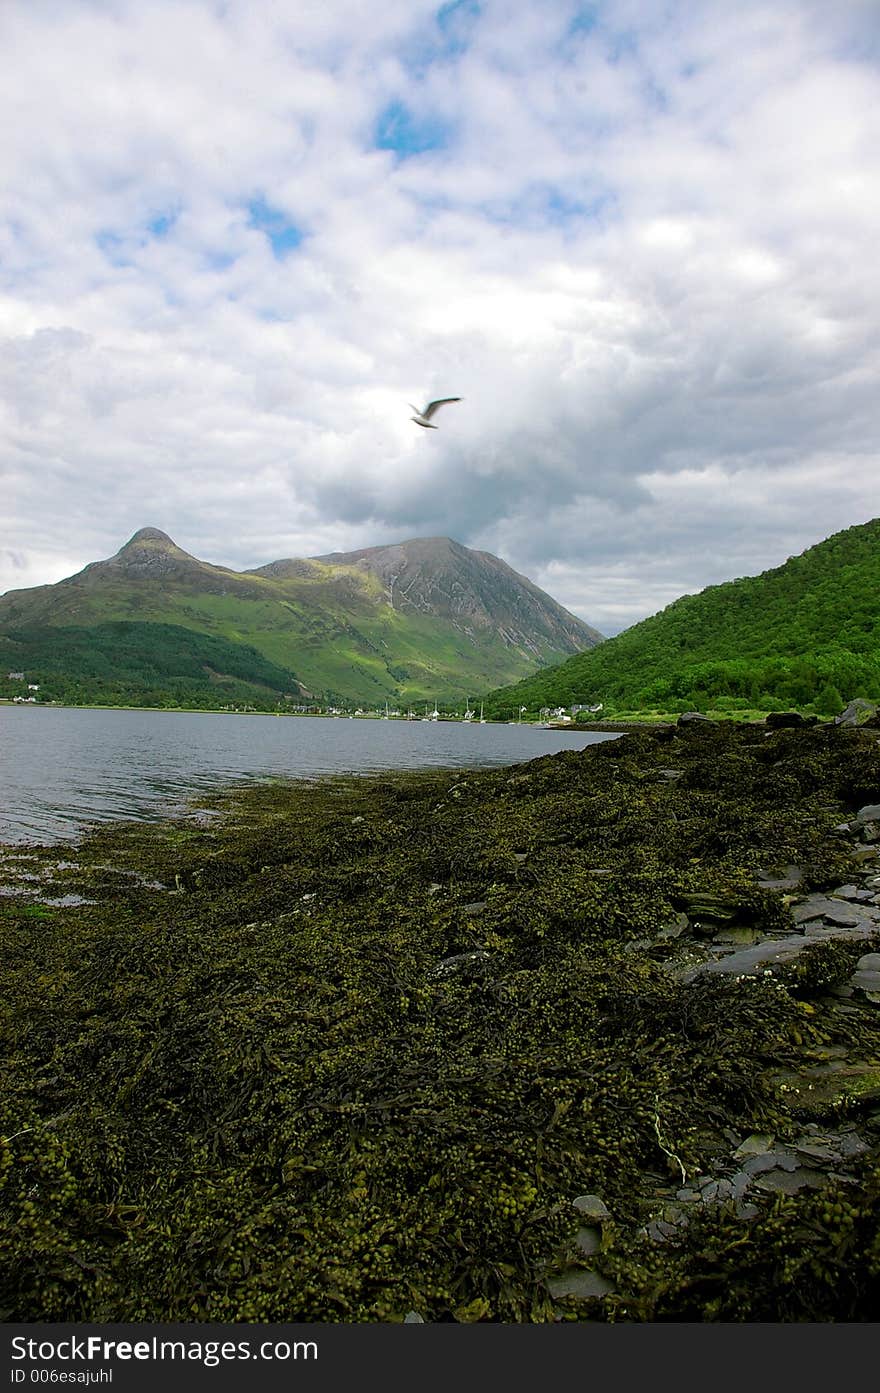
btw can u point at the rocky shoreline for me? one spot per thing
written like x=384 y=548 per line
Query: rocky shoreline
x=595 y=1037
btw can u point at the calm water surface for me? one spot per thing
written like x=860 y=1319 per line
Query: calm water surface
x=63 y=769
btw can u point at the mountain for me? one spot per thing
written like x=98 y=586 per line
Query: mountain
x=423 y=620
x=804 y=633
x=472 y=590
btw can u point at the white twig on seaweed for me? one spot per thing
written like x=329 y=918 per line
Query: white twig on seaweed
x=663 y=1147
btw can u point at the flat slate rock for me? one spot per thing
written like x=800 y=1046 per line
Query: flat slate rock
x=789 y=1182
x=579 y=1282
x=592 y=1207
x=748 y=961
x=823 y=907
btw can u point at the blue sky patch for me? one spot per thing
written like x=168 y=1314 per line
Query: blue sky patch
x=455 y=21
x=546 y=205
x=160 y=225
x=401 y=130
x=284 y=236
x=115 y=246
x=585 y=20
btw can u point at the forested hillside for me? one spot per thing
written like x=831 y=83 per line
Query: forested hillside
x=140 y=665
x=806 y=633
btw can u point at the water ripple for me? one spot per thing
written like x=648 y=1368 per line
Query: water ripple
x=65 y=769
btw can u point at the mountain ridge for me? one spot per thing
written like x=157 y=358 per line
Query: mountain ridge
x=419 y=619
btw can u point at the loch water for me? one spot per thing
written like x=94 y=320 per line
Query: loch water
x=63 y=769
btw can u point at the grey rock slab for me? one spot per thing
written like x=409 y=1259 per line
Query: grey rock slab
x=822 y=907
x=459 y=962
x=868 y=962
x=591 y=1206
x=717 y=1192
x=852 y=892
x=869 y=813
x=413 y=1318
x=579 y=1282
x=675 y=928
x=858 y=710
x=737 y=934
x=786 y=879
x=758 y=1144
x=747 y=1210
x=749 y=961
x=851 y=1144
x=660 y=1230
x=588 y=1240
x=814 y=1152
x=845 y=919
x=789 y=1182
x=866 y=981
x=771 y=1160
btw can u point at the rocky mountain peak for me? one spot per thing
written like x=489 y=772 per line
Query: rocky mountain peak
x=148 y=534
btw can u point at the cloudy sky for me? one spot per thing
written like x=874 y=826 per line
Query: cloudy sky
x=637 y=237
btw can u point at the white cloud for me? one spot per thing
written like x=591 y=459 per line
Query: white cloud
x=640 y=247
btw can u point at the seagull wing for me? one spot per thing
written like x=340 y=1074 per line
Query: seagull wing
x=434 y=405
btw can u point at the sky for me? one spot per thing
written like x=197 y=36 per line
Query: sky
x=638 y=238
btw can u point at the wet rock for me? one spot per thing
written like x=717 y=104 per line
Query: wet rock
x=675 y=928
x=821 y=907
x=702 y=905
x=413 y=1318
x=737 y=934
x=787 y=879
x=591 y=1206
x=755 y=1145
x=863 y=855
x=856 y=712
x=846 y=919
x=579 y=1282
x=867 y=981
x=868 y=962
x=782 y=1182
x=688 y=718
x=588 y=1240
x=468 y=963
x=775 y=1159
x=854 y=893
x=826 y=1092
x=869 y=813
x=746 y=1210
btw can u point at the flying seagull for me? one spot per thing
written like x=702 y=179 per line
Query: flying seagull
x=423 y=418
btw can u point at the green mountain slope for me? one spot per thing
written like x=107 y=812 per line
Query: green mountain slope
x=803 y=633
x=425 y=620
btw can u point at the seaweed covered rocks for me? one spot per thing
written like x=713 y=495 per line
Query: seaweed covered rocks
x=596 y=1036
